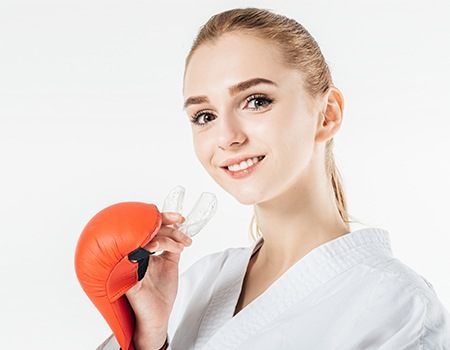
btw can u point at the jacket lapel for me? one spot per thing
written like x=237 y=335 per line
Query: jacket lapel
x=226 y=293
x=316 y=268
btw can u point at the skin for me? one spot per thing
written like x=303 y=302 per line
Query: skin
x=291 y=194
x=152 y=298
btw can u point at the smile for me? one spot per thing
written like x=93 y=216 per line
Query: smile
x=238 y=171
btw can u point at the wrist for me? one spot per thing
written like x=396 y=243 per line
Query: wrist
x=165 y=345
x=150 y=339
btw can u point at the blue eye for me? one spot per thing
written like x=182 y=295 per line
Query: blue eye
x=261 y=99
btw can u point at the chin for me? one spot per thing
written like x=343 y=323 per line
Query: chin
x=246 y=198
x=246 y=201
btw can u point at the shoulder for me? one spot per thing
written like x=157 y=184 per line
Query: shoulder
x=395 y=276
x=407 y=302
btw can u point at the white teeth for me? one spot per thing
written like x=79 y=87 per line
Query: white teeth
x=244 y=164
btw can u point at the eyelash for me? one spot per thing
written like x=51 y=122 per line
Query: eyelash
x=196 y=116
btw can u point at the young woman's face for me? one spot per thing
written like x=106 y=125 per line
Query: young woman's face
x=277 y=120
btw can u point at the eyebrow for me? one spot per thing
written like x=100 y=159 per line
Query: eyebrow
x=233 y=90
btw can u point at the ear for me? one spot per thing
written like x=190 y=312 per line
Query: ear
x=331 y=114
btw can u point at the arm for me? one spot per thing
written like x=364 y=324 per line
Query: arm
x=149 y=340
x=110 y=343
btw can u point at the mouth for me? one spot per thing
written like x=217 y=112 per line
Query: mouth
x=241 y=173
x=260 y=158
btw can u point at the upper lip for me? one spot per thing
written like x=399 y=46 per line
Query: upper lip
x=237 y=160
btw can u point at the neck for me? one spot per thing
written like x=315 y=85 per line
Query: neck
x=295 y=222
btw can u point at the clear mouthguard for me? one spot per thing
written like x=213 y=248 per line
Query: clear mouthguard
x=203 y=210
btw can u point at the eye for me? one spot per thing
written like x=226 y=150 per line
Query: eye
x=259 y=100
x=194 y=119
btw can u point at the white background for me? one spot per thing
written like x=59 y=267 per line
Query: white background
x=91 y=114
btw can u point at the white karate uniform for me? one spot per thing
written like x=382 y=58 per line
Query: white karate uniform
x=349 y=293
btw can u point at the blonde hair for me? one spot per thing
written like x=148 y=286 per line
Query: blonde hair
x=300 y=51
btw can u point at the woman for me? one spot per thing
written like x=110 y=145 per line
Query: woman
x=264 y=112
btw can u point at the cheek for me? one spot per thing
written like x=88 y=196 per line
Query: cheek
x=295 y=135
x=197 y=147
x=202 y=149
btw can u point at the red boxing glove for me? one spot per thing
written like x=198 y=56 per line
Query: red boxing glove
x=109 y=260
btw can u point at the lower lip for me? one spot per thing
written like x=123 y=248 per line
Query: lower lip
x=243 y=173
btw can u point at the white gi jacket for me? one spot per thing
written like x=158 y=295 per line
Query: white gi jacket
x=349 y=293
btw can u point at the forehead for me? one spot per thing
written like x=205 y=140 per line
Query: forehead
x=231 y=59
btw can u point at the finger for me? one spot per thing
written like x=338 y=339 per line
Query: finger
x=181 y=237
x=178 y=236
x=166 y=244
x=175 y=234
x=169 y=218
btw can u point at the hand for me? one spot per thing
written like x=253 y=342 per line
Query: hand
x=152 y=297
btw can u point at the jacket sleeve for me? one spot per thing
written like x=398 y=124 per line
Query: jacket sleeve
x=436 y=328
x=402 y=316
x=110 y=343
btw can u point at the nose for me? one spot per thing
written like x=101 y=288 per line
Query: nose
x=230 y=131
